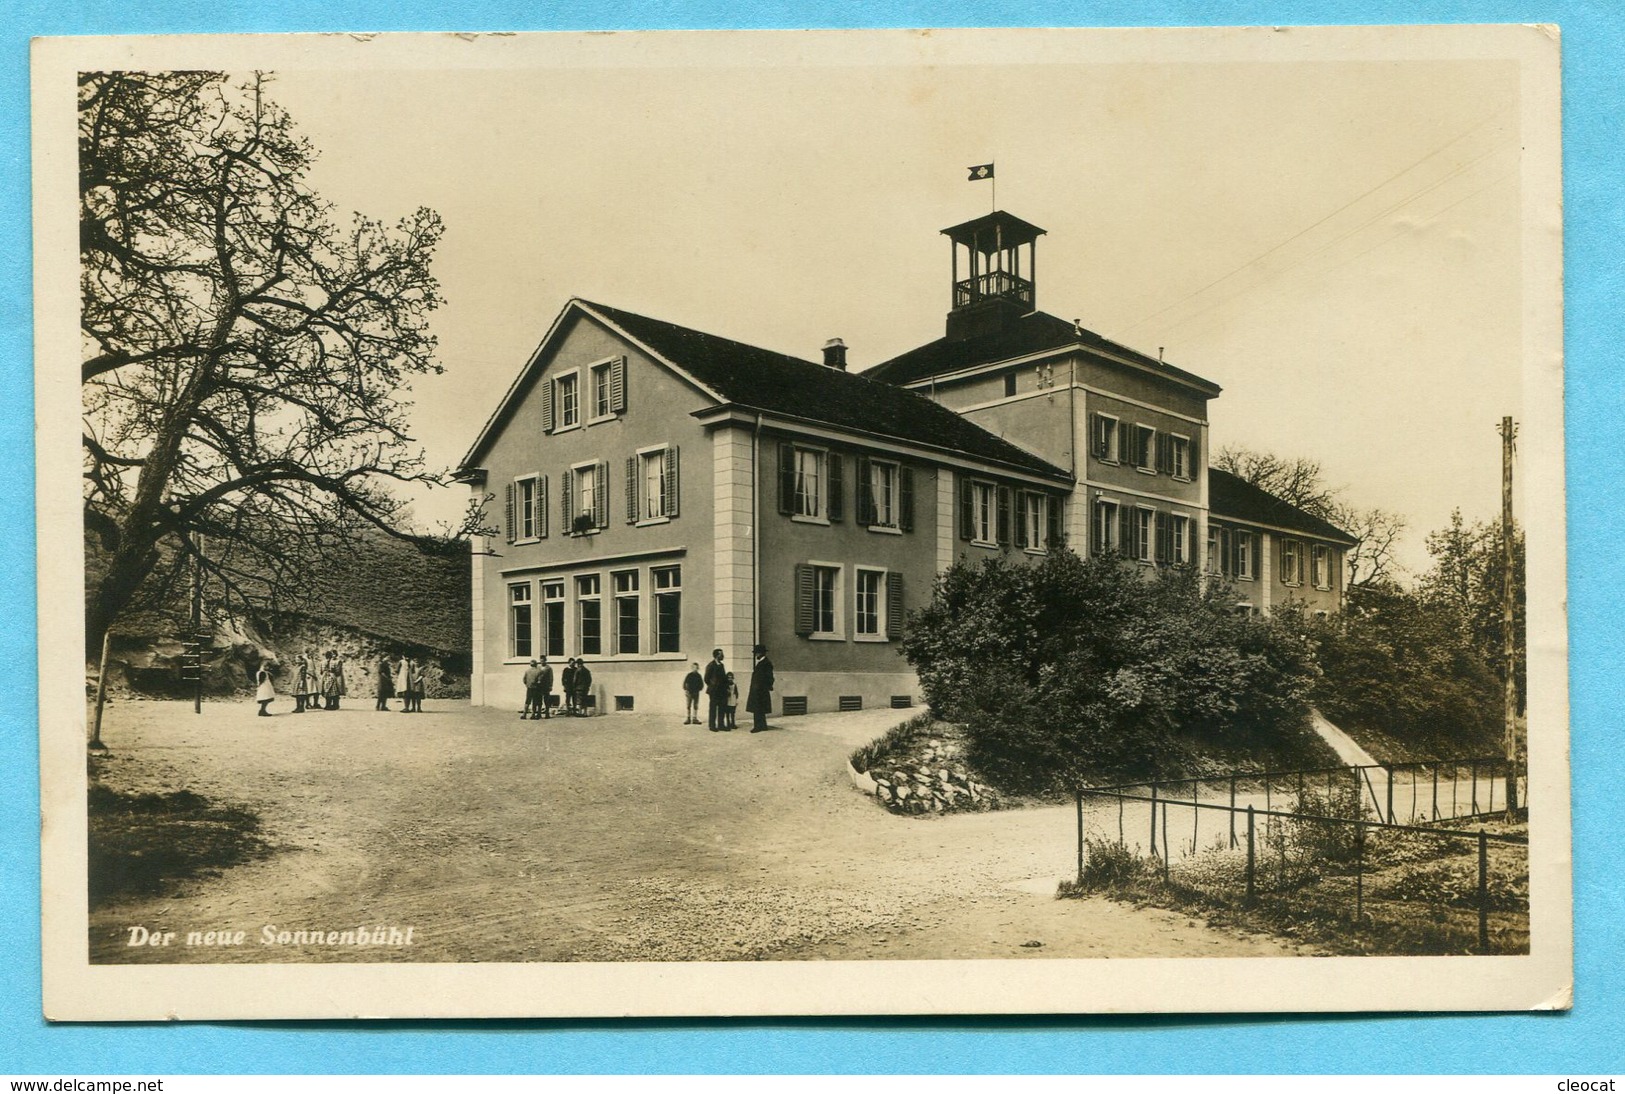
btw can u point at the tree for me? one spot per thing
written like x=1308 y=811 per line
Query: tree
x=1071 y=670
x=244 y=356
x=1300 y=482
x=1469 y=562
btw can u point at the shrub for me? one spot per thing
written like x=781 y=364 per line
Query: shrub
x=1108 y=864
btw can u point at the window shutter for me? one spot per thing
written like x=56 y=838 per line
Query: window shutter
x=1096 y=437
x=617 y=386
x=1021 y=519
x=1164 y=550
x=866 y=493
x=1125 y=533
x=1191 y=462
x=1053 y=536
x=1165 y=453
x=547 y=406
x=1004 y=515
x=510 y=513
x=833 y=472
x=787 y=478
x=567 y=494
x=600 y=495
x=673 y=493
x=631 y=489
x=905 y=498
x=967 y=503
x=541 y=505
x=894 y=605
x=804 y=599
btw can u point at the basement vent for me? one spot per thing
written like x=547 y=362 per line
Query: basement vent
x=851 y=702
x=902 y=702
x=623 y=702
x=795 y=704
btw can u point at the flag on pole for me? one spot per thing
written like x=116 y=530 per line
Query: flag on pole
x=980 y=171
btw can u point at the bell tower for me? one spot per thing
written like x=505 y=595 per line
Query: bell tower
x=998 y=286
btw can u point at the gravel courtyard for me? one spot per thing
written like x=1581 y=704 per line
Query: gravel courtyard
x=626 y=837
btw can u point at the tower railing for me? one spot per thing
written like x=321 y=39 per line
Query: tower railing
x=995 y=284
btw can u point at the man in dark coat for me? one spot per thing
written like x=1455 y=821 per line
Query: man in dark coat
x=386 y=682
x=568 y=682
x=544 y=682
x=760 y=700
x=716 y=691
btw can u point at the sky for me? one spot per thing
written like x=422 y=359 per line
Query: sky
x=1335 y=243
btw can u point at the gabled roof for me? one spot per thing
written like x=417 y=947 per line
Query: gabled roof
x=733 y=373
x=1034 y=332
x=764 y=380
x=1233 y=498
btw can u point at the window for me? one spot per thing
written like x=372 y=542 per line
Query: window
x=883 y=493
x=589 y=615
x=1106 y=438
x=1291 y=562
x=1179 y=457
x=519 y=620
x=984 y=513
x=1034 y=523
x=525 y=506
x=668 y=597
x=651 y=485
x=1009 y=384
x=600 y=391
x=1180 y=530
x=809 y=471
x=569 y=401
x=626 y=611
x=1142 y=443
x=826 y=582
x=870 y=604
x=1140 y=548
x=1242 y=543
x=553 y=618
x=1104 y=538
x=586 y=498
x=1320 y=566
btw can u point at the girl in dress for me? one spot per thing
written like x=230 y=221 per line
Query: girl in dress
x=265 y=692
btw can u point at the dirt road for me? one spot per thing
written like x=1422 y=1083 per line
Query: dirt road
x=627 y=837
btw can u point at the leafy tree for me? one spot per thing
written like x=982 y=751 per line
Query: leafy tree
x=1469 y=567
x=244 y=355
x=1300 y=482
x=1071 y=671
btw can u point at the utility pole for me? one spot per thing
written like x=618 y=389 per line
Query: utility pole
x=1509 y=649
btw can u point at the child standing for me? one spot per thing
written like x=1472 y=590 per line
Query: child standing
x=733 y=703
x=265 y=692
x=693 y=684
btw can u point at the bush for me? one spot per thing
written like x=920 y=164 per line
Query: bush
x=1108 y=864
x=1069 y=670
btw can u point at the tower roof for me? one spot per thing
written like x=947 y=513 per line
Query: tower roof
x=991 y=232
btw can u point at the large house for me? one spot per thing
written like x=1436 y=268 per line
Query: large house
x=664 y=492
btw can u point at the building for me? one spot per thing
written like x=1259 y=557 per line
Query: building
x=663 y=492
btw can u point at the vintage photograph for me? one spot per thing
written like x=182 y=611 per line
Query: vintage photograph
x=811 y=602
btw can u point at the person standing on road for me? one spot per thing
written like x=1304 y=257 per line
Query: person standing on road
x=567 y=680
x=716 y=691
x=760 y=701
x=403 y=681
x=265 y=692
x=417 y=678
x=583 y=686
x=544 y=682
x=730 y=712
x=693 y=684
x=301 y=683
x=533 y=691
x=386 y=682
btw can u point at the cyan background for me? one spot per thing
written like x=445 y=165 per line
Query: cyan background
x=1587 y=1040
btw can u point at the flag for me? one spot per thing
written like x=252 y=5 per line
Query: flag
x=980 y=171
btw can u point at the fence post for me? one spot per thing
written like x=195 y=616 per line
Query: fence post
x=1475 y=788
x=1252 y=892
x=1153 y=819
x=1079 y=793
x=1435 y=791
x=1359 y=872
x=1232 y=811
x=1167 y=852
x=1390 y=773
x=1483 y=892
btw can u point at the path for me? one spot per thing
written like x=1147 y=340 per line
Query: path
x=615 y=838
x=1349 y=752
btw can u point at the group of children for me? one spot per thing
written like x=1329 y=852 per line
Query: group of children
x=576 y=681
x=322 y=686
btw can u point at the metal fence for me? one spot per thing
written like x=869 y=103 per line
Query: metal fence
x=1371 y=844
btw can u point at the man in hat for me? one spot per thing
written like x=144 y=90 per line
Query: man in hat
x=716 y=691
x=760 y=701
x=533 y=691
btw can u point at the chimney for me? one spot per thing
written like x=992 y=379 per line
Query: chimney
x=835 y=354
